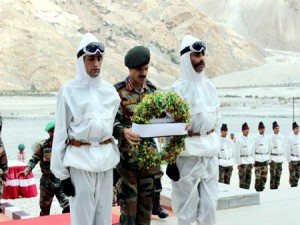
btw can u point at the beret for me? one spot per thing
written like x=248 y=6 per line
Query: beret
x=50 y=126
x=21 y=146
x=245 y=126
x=295 y=125
x=137 y=56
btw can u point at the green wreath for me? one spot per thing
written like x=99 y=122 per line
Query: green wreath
x=158 y=105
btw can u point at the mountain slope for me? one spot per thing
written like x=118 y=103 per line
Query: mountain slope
x=40 y=38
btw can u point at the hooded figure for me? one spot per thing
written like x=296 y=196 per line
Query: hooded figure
x=84 y=153
x=194 y=196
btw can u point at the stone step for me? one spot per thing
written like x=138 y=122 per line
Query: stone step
x=229 y=197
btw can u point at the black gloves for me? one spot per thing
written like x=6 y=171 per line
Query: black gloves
x=173 y=172
x=68 y=187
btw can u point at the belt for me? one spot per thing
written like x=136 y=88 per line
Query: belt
x=245 y=155
x=258 y=153
x=225 y=158
x=191 y=133
x=275 y=154
x=77 y=143
x=295 y=155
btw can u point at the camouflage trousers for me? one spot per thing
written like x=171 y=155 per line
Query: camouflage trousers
x=245 y=173
x=275 y=174
x=294 y=167
x=135 y=195
x=225 y=174
x=261 y=172
x=50 y=186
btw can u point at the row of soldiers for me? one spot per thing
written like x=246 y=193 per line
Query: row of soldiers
x=261 y=151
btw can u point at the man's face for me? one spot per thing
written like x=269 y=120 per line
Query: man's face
x=296 y=131
x=93 y=64
x=51 y=133
x=197 y=60
x=245 y=132
x=224 y=133
x=276 y=130
x=261 y=130
x=139 y=75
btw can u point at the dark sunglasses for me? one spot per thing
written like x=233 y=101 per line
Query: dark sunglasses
x=92 y=48
x=198 y=46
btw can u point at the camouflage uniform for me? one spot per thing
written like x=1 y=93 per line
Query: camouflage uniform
x=225 y=174
x=261 y=172
x=245 y=173
x=294 y=168
x=275 y=174
x=136 y=186
x=3 y=169
x=49 y=184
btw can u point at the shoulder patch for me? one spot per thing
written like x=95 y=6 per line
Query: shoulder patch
x=120 y=85
x=149 y=84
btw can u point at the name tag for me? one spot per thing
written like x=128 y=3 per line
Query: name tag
x=128 y=102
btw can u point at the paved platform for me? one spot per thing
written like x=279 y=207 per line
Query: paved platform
x=229 y=197
x=277 y=207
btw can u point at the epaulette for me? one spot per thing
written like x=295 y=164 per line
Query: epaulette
x=42 y=143
x=149 y=84
x=120 y=85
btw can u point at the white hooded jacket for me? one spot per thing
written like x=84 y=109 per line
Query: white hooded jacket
x=86 y=108
x=204 y=106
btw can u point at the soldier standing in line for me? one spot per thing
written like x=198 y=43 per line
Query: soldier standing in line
x=136 y=186
x=293 y=155
x=277 y=152
x=49 y=184
x=232 y=137
x=3 y=165
x=226 y=156
x=262 y=149
x=244 y=150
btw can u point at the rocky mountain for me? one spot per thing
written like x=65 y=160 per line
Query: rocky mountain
x=268 y=23
x=39 y=39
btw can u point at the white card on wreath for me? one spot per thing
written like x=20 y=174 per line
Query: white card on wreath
x=156 y=129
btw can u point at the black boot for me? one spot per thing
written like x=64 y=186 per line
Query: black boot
x=157 y=209
x=66 y=209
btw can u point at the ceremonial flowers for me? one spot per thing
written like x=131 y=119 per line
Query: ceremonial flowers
x=160 y=104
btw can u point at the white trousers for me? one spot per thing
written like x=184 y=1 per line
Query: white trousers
x=92 y=203
x=195 y=195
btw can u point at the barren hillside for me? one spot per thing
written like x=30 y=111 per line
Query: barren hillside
x=40 y=38
x=271 y=24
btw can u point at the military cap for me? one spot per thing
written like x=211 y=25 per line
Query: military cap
x=21 y=146
x=245 y=126
x=261 y=125
x=274 y=125
x=295 y=125
x=50 y=126
x=224 y=127
x=137 y=56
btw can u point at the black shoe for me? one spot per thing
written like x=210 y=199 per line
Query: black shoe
x=1 y=208
x=160 y=212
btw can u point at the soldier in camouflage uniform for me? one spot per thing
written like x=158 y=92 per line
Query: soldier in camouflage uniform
x=136 y=186
x=226 y=156
x=49 y=184
x=3 y=165
x=262 y=149
x=244 y=150
x=277 y=156
x=293 y=155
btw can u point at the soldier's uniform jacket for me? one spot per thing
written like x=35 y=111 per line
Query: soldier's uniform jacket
x=129 y=99
x=42 y=154
x=3 y=158
x=262 y=147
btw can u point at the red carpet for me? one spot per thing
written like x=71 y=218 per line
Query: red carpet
x=60 y=219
